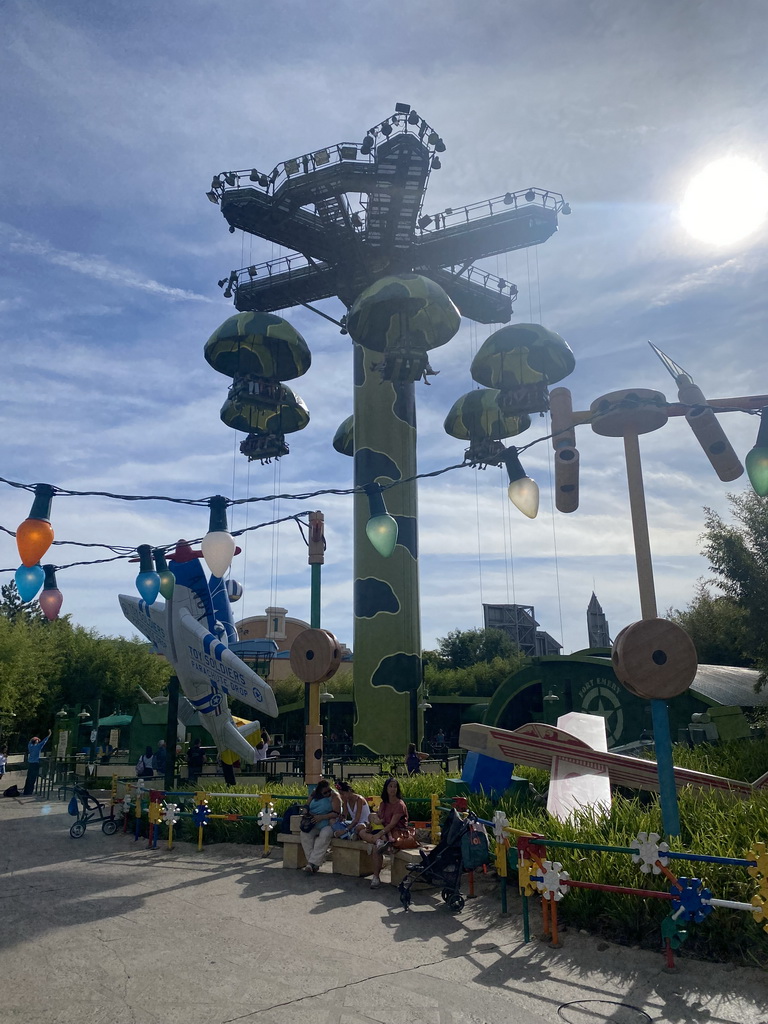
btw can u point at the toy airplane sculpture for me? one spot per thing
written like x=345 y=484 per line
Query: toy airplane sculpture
x=536 y=744
x=186 y=631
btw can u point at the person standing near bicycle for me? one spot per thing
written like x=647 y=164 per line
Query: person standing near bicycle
x=33 y=762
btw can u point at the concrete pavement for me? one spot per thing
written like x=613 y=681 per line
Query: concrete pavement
x=101 y=930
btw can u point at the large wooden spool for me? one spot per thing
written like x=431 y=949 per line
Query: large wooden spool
x=315 y=655
x=654 y=659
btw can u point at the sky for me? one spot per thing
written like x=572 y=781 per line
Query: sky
x=115 y=119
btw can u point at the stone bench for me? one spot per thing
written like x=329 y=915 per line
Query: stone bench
x=348 y=857
x=402 y=860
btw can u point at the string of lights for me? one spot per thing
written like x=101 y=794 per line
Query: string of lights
x=306 y=495
x=205 y=502
x=130 y=553
x=35 y=536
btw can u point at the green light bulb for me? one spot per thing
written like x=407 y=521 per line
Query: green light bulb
x=167 y=579
x=756 y=461
x=756 y=464
x=381 y=531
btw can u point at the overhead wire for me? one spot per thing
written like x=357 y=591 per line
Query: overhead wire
x=130 y=553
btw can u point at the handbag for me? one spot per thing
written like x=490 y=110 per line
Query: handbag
x=405 y=838
x=306 y=824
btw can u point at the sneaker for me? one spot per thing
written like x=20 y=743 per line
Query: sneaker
x=375 y=882
x=382 y=844
x=309 y=869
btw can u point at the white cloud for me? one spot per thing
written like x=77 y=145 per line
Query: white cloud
x=112 y=253
x=97 y=267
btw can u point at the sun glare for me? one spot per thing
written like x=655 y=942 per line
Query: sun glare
x=726 y=201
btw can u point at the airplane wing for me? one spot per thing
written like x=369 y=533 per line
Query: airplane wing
x=201 y=653
x=248 y=728
x=149 y=620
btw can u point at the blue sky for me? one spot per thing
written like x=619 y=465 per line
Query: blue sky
x=115 y=119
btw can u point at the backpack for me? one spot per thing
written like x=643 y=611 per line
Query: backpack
x=12 y=791
x=285 y=823
x=73 y=807
x=474 y=847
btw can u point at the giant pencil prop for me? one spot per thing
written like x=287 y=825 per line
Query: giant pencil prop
x=536 y=744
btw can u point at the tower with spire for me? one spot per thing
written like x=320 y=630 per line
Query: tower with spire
x=597 y=624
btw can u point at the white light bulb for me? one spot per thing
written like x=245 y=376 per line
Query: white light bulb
x=524 y=494
x=218 y=551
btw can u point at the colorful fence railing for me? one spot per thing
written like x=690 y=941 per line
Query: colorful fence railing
x=161 y=809
x=690 y=900
x=530 y=855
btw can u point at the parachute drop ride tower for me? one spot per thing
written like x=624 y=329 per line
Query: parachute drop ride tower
x=354 y=215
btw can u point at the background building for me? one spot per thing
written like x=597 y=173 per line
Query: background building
x=276 y=624
x=520 y=625
x=597 y=624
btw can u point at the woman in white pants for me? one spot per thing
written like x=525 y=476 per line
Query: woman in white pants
x=324 y=807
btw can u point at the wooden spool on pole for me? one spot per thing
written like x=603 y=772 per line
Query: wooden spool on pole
x=315 y=658
x=627 y=414
x=654 y=659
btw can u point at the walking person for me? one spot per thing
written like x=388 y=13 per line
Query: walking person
x=324 y=808
x=195 y=761
x=33 y=762
x=160 y=758
x=3 y=760
x=144 y=768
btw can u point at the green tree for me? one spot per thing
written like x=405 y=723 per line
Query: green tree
x=738 y=556
x=480 y=680
x=471 y=662
x=13 y=608
x=717 y=626
x=101 y=668
x=45 y=665
x=464 y=647
x=26 y=658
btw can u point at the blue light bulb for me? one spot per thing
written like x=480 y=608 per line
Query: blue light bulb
x=29 y=579
x=148 y=585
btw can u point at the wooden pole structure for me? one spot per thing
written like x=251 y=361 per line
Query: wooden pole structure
x=627 y=414
x=670 y=813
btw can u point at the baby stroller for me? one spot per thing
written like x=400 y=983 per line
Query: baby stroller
x=88 y=808
x=463 y=846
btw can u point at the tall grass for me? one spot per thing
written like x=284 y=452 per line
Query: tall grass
x=711 y=823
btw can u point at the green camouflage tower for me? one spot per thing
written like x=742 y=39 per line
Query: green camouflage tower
x=353 y=215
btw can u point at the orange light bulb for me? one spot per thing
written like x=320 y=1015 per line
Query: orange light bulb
x=35 y=535
x=33 y=538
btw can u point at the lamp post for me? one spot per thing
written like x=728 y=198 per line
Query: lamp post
x=312 y=695
x=551 y=700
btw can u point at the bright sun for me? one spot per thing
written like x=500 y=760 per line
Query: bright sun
x=726 y=201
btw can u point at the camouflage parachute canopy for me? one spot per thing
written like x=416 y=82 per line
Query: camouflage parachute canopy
x=477 y=416
x=344 y=438
x=403 y=311
x=259 y=345
x=261 y=408
x=522 y=354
